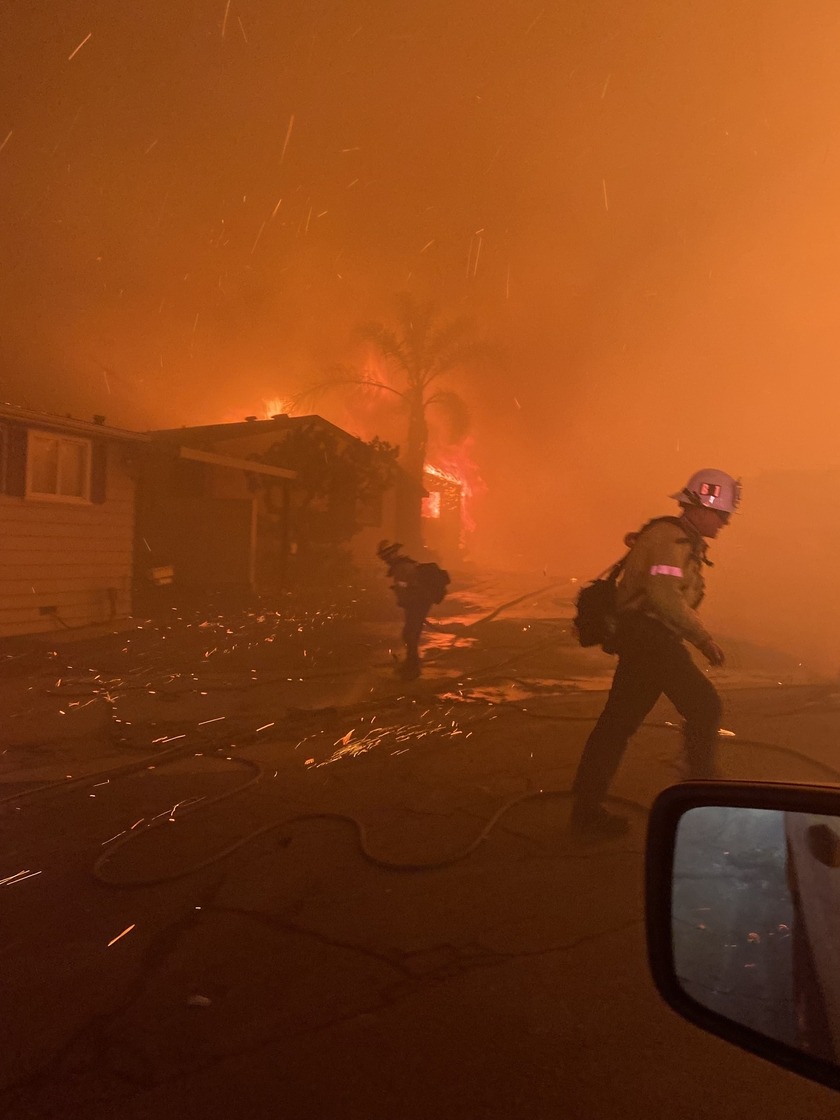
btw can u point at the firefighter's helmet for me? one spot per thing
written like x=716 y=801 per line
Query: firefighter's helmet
x=388 y=552
x=711 y=488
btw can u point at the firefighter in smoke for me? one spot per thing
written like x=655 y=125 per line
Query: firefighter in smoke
x=417 y=588
x=658 y=593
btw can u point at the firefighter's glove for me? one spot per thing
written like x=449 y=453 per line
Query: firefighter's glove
x=712 y=652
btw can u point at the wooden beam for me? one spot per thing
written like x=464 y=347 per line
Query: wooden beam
x=236 y=464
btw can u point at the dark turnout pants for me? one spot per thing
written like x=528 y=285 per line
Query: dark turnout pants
x=415 y=613
x=652 y=661
x=416 y=609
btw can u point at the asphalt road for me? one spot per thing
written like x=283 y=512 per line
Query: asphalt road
x=249 y=872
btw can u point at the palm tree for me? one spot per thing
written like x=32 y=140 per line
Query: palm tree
x=418 y=351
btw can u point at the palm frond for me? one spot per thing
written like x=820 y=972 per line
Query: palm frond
x=450 y=337
x=339 y=377
x=469 y=354
x=454 y=414
x=386 y=341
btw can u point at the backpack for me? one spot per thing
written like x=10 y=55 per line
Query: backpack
x=595 y=608
x=434 y=581
x=596 y=613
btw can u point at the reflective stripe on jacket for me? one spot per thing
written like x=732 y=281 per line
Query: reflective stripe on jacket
x=663 y=578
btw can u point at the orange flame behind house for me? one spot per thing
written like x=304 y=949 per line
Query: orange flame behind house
x=274 y=406
x=441 y=485
x=455 y=467
x=277 y=406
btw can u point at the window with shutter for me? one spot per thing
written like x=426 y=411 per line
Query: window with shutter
x=98 y=472
x=58 y=468
x=14 y=460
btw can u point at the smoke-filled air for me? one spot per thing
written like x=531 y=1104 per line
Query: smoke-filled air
x=627 y=208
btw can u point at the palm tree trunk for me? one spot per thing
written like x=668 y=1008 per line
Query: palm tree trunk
x=418 y=437
x=414 y=460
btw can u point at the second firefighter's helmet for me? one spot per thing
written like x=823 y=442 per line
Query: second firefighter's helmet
x=711 y=488
x=388 y=552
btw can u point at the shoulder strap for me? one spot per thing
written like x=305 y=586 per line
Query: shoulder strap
x=698 y=549
x=614 y=570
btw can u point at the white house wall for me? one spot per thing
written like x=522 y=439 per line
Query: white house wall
x=73 y=558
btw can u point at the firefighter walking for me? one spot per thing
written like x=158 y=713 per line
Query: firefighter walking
x=658 y=593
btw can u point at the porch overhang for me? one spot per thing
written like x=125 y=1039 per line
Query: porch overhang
x=236 y=464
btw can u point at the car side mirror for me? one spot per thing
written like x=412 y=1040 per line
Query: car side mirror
x=743 y=917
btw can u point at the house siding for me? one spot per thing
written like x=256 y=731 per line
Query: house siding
x=73 y=557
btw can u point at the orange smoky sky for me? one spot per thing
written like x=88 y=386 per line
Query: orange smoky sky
x=636 y=198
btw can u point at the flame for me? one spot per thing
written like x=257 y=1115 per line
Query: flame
x=277 y=406
x=447 y=476
x=431 y=504
x=454 y=464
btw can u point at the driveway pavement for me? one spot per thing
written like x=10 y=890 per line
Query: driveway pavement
x=268 y=887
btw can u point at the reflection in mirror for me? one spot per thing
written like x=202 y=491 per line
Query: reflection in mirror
x=756 y=921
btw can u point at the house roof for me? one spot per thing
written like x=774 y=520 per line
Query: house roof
x=212 y=435
x=34 y=418
x=217 y=433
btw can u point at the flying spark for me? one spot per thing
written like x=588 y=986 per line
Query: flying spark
x=257 y=240
x=534 y=23
x=12 y=880
x=76 y=51
x=288 y=134
x=114 y=940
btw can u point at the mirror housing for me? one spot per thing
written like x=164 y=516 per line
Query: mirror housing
x=663 y=876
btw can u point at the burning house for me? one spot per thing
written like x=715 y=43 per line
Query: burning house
x=442 y=510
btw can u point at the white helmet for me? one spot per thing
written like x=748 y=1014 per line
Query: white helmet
x=711 y=488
